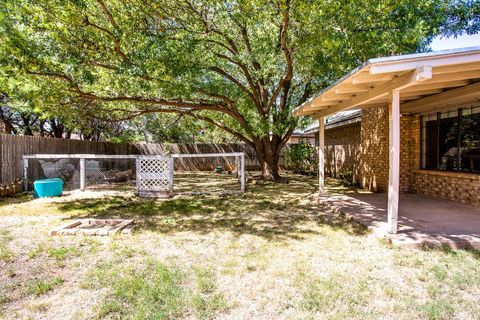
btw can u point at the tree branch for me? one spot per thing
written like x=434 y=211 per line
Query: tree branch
x=307 y=91
x=198 y=105
x=286 y=52
x=135 y=113
x=223 y=127
x=107 y=13
x=116 y=40
x=226 y=99
x=232 y=79
x=254 y=89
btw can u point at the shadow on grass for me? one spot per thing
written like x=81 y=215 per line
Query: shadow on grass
x=16 y=199
x=271 y=211
x=448 y=251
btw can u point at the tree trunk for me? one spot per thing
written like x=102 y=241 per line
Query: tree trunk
x=41 y=127
x=58 y=131
x=8 y=127
x=56 y=128
x=270 y=168
x=6 y=119
x=27 y=125
x=269 y=158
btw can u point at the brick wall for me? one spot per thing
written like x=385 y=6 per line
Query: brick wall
x=409 y=151
x=461 y=187
x=372 y=171
x=342 y=148
x=373 y=159
x=372 y=166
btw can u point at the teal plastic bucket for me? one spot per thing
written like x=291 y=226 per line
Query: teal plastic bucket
x=48 y=188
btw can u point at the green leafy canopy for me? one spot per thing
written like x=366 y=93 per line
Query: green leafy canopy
x=240 y=65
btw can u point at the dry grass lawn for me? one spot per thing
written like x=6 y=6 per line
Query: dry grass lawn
x=271 y=253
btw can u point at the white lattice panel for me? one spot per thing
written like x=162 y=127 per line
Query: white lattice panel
x=154 y=176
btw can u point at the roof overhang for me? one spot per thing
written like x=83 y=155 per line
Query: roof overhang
x=426 y=82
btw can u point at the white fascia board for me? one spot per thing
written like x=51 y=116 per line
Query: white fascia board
x=434 y=59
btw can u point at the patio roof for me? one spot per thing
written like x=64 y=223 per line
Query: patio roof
x=408 y=84
x=428 y=81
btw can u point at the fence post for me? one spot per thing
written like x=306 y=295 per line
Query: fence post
x=82 y=174
x=25 y=174
x=237 y=166
x=242 y=165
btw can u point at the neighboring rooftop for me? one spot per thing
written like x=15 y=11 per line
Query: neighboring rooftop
x=338 y=120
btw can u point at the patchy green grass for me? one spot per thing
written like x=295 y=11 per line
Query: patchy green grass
x=39 y=287
x=149 y=289
x=151 y=293
x=206 y=301
x=5 y=253
x=35 y=252
x=430 y=284
x=272 y=253
x=61 y=253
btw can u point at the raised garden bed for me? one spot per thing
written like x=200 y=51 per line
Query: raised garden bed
x=95 y=227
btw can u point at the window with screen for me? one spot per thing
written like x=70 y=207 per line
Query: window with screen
x=451 y=140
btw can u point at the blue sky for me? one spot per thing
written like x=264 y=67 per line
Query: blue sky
x=453 y=43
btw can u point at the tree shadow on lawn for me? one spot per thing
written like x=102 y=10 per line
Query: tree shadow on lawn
x=269 y=211
x=16 y=199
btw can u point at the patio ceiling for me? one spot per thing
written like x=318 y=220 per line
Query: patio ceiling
x=426 y=82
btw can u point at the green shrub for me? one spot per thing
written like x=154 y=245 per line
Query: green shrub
x=301 y=158
x=346 y=178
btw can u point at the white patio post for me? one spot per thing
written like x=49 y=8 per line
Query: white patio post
x=82 y=174
x=321 y=155
x=394 y=161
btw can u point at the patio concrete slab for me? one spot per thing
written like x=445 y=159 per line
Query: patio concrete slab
x=422 y=220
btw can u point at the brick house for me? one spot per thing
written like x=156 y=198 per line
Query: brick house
x=342 y=142
x=419 y=130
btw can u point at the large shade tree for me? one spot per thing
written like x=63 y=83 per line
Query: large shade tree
x=240 y=65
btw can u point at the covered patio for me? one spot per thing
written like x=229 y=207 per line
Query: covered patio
x=407 y=149
x=422 y=220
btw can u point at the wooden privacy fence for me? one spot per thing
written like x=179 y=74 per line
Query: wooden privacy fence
x=12 y=149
